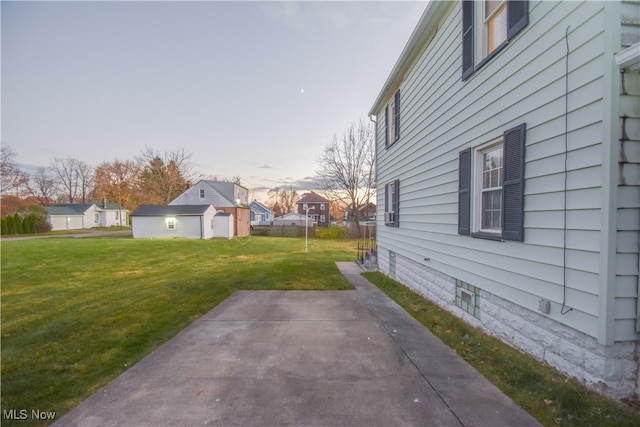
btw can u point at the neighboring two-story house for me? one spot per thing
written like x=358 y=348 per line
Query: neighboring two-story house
x=508 y=177
x=228 y=197
x=317 y=206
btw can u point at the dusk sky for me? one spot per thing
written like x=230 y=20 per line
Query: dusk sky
x=250 y=89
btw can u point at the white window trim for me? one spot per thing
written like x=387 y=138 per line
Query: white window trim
x=477 y=185
x=481 y=35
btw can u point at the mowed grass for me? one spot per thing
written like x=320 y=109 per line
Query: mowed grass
x=78 y=312
x=551 y=397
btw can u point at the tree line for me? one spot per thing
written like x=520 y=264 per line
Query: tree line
x=153 y=177
x=346 y=169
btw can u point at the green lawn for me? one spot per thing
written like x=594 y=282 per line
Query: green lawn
x=551 y=397
x=78 y=312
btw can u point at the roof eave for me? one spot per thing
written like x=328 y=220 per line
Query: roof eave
x=629 y=58
x=419 y=39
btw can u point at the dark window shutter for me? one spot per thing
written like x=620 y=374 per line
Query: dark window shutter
x=464 y=192
x=386 y=200
x=396 y=202
x=386 y=126
x=397 y=115
x=513 y=184
x=517 y=17
x=467 y=39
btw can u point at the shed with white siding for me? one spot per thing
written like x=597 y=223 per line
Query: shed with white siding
x=507 y=170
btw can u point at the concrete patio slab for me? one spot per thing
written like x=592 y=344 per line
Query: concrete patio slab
x=302 y=358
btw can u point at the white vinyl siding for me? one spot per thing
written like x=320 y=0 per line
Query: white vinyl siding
x=189 y=227
x=442 y=115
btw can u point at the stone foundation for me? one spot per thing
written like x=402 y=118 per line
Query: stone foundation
x=612 y=370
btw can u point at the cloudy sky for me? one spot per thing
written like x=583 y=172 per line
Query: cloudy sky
x=250 y=89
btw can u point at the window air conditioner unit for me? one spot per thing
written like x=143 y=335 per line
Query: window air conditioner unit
x=389 y=217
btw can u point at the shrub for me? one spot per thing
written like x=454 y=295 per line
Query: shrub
x=35 y=219
x=4 y=230
x=332 y=232
x=11 y=225
x=18 y=221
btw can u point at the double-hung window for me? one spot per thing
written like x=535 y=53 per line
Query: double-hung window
x=491 y=188
x=488 y=179
x=202 y=193
x=392 y=204
x=488 y=26
x=392 y=120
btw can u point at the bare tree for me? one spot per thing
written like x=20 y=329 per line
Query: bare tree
x=282 y=201
x=11 y=177
x=117 y=181
x=67 y=175
x=85 y=180
x=164 y=175
x=347 y=167
x=43 y=185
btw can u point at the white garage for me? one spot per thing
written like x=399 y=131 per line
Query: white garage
x=185 y=221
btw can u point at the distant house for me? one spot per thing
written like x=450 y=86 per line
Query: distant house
x=185 y=221
x=365 y=212
x=260 y=214
x=294 y=219
x=508 y=177
x=225 y=196
x=318 y=208
x=86 y=215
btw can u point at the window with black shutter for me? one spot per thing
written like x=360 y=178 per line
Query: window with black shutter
x=392 y=120
x=487 y=27
x=491 y=188
x=392 y=204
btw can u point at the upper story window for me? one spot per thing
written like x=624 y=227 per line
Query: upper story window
x=321 y=206
x=392 y=120
x=493 y=21
x=488 y=26
x=202 y=193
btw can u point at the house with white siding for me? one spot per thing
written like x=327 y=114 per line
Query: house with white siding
x=508 y=177
x=67 y=216
x=228 y=197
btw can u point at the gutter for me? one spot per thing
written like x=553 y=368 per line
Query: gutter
x=629 y=58
x=420 y=38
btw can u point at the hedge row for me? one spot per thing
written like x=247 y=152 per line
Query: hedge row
x=30 y=223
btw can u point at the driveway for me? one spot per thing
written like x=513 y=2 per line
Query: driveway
x=302 y=358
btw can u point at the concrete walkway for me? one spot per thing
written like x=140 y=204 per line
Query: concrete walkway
x=302 y=358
